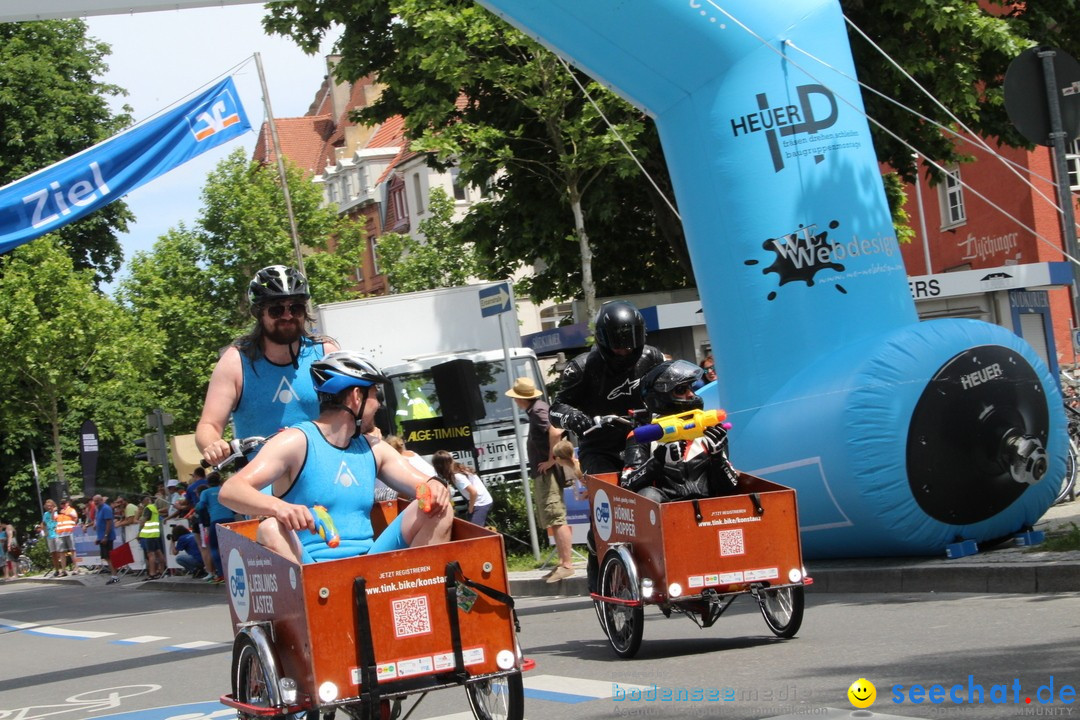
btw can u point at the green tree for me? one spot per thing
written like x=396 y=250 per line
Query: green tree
x=52 y=106
x=560 y=175
x=71 y=355
x=243 y=226
x=437 y=259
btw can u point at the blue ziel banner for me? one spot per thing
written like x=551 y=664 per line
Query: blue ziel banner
x=75 y=187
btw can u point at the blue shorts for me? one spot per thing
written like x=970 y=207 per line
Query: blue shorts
x=392 y=538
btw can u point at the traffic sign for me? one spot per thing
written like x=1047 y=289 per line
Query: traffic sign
x=494 y=300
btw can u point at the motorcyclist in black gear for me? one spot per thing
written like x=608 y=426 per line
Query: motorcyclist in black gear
x=680 y=469
x=601 y=382
x=604 y=381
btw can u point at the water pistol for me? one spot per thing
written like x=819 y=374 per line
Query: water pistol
x=324 y=525
x=423 y=497
x=684 y=426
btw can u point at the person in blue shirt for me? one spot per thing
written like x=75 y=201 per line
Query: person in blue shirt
x=333 y=461
x=185 y=549
x=103 y=524
x=48 y=527
x=262 y=379
x=210 y=505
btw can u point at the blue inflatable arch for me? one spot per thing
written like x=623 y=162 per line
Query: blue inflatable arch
x=899 y=436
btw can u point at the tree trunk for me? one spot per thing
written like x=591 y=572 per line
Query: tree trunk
x=588 y=287
x=58 y=456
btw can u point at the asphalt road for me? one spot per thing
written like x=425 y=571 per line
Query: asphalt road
x=75 y=653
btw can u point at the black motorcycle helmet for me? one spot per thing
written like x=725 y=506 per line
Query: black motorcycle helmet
x=619 y=326
x=276 y=282
x=667 y=389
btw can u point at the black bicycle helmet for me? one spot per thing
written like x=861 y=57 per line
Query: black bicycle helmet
x=659 y=384
x=619 y=326
x=344 y=369
x=276 y=282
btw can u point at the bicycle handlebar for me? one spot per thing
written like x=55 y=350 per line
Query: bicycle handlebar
x=238 y=448
x=602 y=421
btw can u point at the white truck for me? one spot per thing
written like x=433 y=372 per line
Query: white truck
x=442 y=350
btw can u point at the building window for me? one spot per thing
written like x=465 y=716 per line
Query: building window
x=951 y=193
x=398 y=206
x=419 y=194
x=555 y=316
x=459 y=187
x=1072 y=159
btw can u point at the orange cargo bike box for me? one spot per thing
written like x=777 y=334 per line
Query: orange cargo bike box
x=721 y=544
x=694 y=557
x=357 y=631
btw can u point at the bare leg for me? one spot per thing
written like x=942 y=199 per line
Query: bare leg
x=564 y=545
x=419 y=528
x=273 y=535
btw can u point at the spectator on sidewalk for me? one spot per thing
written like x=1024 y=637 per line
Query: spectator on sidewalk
x=66 y=520
x=185 y=548
x=150 y=538
x=216 y=514
x=47 y=526
x=467 y=482
x=103 y=525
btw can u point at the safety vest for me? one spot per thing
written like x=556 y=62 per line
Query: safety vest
x=66 y=521
x=152 y=527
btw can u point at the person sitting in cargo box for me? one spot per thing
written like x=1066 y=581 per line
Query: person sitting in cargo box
x=332 y=461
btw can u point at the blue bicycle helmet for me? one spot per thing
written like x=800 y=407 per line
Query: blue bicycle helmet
x=344 y=369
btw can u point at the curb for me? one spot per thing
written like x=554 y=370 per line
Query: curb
x=1032 y=578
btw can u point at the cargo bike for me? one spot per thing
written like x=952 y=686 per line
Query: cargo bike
x=695 y=557
x=359 y=635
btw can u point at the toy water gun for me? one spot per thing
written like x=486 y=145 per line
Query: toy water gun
x=423 y=496
x=684 y=426
x=324 y=525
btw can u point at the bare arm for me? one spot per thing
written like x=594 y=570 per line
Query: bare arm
x=222 y=394
x=398 y=473
x=554 y=435
x=279 y=461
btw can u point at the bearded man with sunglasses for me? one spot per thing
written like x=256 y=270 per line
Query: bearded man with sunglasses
x=263 y=378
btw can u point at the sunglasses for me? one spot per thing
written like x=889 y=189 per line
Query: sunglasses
x=709 y=369
x=295 y=309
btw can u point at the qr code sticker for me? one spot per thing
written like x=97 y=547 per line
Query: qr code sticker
x=731 y=542
x=411 y=616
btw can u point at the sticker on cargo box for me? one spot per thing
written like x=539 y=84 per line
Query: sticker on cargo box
x=471 y=656
x=416 y=666
x=383 y=671
x=732 y=577
x=731 y=542
x=466 y=597
x=763 y=574
x=712 y=579
x=411 y=616
x=696 y=581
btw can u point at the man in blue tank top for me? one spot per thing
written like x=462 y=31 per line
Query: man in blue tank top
x=263 y=378
x=333 y=461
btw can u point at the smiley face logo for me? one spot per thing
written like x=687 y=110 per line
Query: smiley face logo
x=862 y=693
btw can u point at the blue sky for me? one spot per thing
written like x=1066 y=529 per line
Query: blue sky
x=161 y=57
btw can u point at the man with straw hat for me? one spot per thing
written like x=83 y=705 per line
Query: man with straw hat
x=548 y=478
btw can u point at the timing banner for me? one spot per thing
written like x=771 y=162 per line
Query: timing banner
x=77 y=186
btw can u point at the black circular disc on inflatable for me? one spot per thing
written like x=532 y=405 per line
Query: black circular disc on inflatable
x=961 y=449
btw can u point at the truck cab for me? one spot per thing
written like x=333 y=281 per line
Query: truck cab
x=457 y=402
